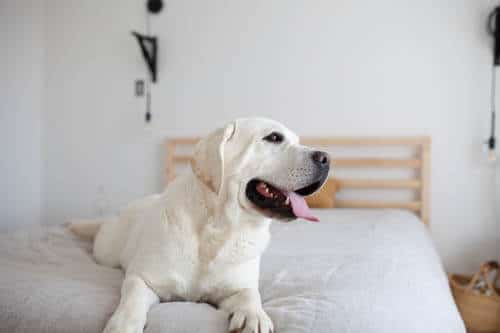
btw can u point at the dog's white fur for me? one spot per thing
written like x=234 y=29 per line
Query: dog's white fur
x=202 y=239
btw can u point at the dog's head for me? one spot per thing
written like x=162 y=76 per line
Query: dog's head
x=271 y=171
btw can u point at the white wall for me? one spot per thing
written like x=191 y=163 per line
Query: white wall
x=94 y=142
x=322 y=67
x=22 y=34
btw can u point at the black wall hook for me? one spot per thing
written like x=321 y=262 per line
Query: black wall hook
x=149 y=48
x=494 y=30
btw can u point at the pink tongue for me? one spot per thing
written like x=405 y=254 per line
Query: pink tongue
x=300 y=207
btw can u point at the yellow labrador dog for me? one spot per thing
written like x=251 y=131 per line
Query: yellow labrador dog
x=202 y=239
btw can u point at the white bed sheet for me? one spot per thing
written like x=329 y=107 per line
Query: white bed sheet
x=355 y=271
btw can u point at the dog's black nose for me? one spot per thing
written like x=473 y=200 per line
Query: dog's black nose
x=321 y=158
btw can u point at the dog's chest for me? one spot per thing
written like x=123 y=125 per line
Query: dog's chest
x=227 y=245
x=203 y=265
x=229 y=259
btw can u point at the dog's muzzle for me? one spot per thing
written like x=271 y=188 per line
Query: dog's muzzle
x=272 y=201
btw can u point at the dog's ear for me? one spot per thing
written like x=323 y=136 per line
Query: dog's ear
x=208 y=159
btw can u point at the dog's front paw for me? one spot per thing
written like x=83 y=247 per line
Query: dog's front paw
x=250 y=321
x=119 y=323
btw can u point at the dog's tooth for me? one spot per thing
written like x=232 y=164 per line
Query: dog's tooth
x=287 y=201
x=266 y=189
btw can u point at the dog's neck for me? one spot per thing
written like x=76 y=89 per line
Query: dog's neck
x=224 y=208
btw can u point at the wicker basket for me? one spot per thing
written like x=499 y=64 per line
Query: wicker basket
x=478 y=298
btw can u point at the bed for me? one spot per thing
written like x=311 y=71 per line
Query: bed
x=368 y=267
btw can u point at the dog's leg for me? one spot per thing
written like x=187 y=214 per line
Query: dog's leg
x=86 y=229
x=246 y=313
x=131 y=314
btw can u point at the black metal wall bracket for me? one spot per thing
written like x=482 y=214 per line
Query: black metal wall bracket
x=149 y=48
x=494 y=30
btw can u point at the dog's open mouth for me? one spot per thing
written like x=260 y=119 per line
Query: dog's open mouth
x=274 y=202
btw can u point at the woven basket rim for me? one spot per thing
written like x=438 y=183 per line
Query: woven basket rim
x=463 y=288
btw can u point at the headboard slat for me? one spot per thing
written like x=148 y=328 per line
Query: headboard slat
x=411 y=205
x=425 y=176
x=378 y=183
x=366 y=141
x=377 y=163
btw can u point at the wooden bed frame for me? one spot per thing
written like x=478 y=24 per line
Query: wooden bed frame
x=420 y=183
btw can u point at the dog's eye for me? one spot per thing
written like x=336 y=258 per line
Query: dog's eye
x=274 y=137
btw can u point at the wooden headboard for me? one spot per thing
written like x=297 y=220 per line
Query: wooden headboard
x=419 y=162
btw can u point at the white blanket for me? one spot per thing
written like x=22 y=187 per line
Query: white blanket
x=355 y=271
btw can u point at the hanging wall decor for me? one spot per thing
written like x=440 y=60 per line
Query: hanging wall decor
x=494 y=30
x=149 y=50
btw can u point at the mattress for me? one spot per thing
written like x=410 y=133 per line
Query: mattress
x=355 y=271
